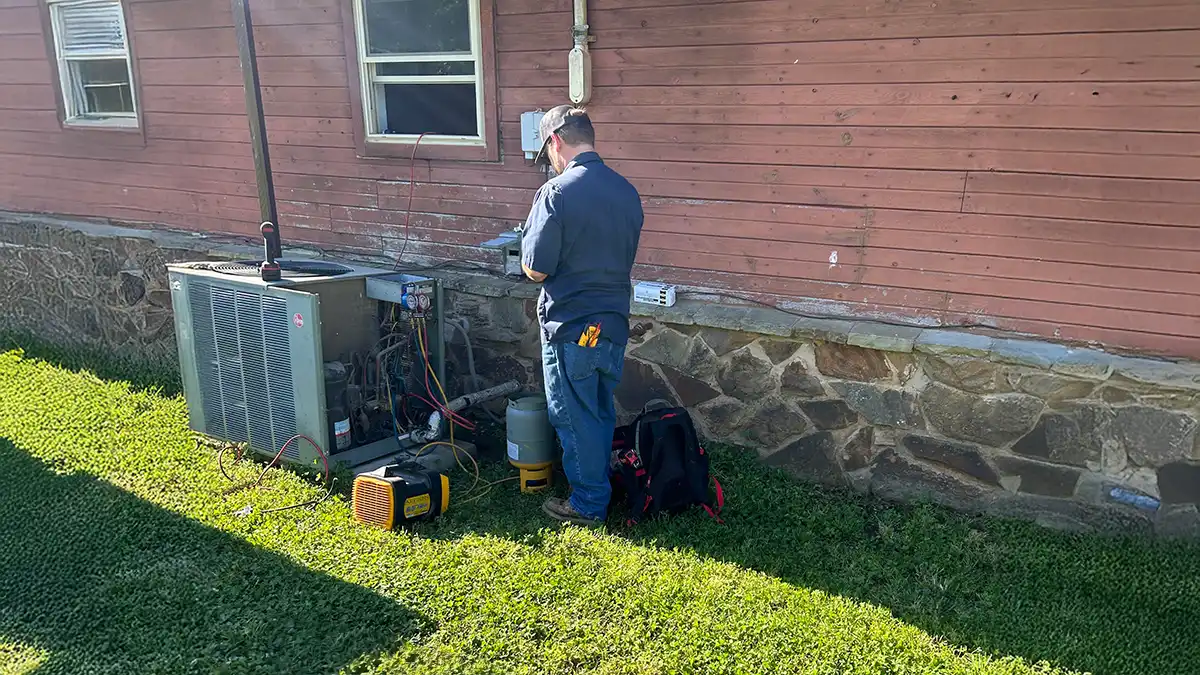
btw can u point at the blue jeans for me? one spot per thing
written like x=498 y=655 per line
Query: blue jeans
x=580 y=382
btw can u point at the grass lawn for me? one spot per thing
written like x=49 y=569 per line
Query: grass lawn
x=120 y=552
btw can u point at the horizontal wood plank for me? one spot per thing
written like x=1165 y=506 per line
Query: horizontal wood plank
x=161 y=153
x=221 y=100
x=906 y=306
x=173 y=201
x=27 y=97
x=1117 y=118
x=269 y=41
x=1102 y=69
x=942 y=138
x=1116 y=165
x=131 y=174
x=793 y=175
x=919 y=221
x=1023 y=277
x=1073 y=208
x=274 y=71
x=30 y=46
x=174 y=15
x=935 y=284
x=1065 y=231
x=1082 y=187
x=32 y=71
x=945 y=24
x=1109 y=262
x=23 y=20
x=31 y=199
x=1000 y=94
x=1024 y=48
x=636 y=14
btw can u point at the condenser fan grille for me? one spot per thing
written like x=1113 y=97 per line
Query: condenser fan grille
x=243 y=359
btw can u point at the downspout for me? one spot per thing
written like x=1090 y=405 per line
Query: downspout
x=579 y=61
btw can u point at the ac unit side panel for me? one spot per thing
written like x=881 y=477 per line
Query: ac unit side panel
x=185 y=343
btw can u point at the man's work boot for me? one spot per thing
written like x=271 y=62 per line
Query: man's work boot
x=561 y=510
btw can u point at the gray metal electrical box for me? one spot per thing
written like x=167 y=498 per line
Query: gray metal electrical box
x=531 y=140
x=509 y=245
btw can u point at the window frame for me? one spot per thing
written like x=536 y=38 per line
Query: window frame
x=484 y=148
x=108 y=122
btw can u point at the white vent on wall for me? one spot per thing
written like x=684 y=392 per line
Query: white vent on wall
x=92 y=50
x=92 y=27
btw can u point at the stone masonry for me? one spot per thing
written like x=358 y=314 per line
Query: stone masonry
x=986 y=425
x=1066 y=437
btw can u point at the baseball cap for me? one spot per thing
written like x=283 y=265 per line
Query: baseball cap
x=555 y=120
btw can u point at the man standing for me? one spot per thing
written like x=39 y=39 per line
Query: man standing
x=580 y=242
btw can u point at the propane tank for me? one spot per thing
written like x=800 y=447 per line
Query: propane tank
x=338 y=405
x=531 y=446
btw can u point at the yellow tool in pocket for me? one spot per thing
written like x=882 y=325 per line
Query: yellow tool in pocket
x=589 y=336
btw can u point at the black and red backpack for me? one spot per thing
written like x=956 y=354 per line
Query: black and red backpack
x=659 y=466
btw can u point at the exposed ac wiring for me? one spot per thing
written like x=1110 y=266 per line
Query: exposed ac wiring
x=258 y=481
x=412 y=184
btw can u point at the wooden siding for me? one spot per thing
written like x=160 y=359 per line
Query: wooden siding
x=1024 y=164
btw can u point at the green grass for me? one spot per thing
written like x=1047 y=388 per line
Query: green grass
x=120 y=552
x=141 y=373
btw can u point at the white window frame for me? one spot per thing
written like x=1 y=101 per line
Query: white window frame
x=367 y=80
x=72 y=106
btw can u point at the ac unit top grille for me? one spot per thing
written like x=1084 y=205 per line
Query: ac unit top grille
x=290 y=268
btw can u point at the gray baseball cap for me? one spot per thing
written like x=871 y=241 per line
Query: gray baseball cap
x=555 y=120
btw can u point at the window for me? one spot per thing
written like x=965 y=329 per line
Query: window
x=94 y=67
x=423 y=74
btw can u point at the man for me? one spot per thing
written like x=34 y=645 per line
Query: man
x=579 y=242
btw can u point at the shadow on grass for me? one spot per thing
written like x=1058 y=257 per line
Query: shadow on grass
x=141 y=373
x=1090 y=603
x=106 y=582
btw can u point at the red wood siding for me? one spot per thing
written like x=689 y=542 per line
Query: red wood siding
x=1025 y=164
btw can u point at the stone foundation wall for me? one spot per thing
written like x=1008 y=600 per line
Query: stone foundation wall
x=1071 y=438
x=70 y=287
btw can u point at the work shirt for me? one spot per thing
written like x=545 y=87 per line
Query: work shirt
x=583 y=233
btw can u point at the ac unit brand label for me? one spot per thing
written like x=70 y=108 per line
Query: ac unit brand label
x=298 y=320
x=416 y=506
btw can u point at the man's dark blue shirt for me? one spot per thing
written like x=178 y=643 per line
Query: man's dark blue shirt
x=583 y=233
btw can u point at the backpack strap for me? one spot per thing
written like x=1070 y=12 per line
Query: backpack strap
x=716 y=514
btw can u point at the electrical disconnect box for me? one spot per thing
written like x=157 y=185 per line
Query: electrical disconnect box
x=531 y=139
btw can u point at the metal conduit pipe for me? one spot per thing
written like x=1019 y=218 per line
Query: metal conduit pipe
x=579 y=60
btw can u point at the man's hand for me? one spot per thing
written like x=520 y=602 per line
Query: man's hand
x=536 y=277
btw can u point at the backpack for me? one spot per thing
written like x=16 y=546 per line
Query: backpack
x=659 y=466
